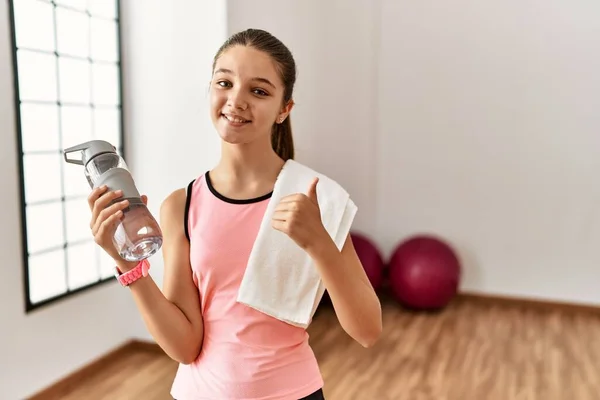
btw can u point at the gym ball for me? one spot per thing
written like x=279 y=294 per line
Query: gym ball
x=370 y=257
x=424 y=273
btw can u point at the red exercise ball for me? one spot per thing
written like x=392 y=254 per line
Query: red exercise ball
x=370 y=257
x=424 y=273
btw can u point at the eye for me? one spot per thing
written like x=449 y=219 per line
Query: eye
x=260 y=92
x=224 y=83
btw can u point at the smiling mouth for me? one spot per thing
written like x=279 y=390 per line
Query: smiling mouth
x=235 y=119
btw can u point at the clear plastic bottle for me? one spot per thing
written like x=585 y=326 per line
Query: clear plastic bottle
x=138 y=235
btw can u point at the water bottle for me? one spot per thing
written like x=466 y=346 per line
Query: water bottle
x=138 y=235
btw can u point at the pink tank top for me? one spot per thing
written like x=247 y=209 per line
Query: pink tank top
x=245 y=354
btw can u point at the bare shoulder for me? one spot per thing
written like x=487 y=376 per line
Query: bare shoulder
x=172 y=208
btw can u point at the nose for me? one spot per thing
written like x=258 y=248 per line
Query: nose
x=237 y=100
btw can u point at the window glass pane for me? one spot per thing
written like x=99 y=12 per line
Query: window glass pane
x=103 y=8
x=44 y=226
x=74 y=81
x=107 y=264
x=42 y=177
x=37 y=76
x=107 y=125
x=106 y=84
x=72 y=32
x=46 y=275
x=104 y=42
x=76 y=125
x=78 y=217
x=77 y=4
x=39 y=127
x=83 y=268
x=34 y=24
x=56 y=98
x=75 y=181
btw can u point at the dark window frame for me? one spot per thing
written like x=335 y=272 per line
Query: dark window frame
x=69 y=293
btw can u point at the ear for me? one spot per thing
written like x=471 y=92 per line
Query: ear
x=285 y=111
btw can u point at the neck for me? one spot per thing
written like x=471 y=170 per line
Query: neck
x=247 y=162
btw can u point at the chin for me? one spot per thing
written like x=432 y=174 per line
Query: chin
x=235 y=137
x=235 y=134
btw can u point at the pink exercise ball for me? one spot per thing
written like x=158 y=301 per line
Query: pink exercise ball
x=424 y=273
x=370 y=257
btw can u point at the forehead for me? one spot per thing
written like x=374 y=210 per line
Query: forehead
x=247 y=63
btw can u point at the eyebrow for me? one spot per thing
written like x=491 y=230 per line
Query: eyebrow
x=258 y=78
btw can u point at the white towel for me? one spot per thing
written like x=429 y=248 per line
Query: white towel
x=281 y=279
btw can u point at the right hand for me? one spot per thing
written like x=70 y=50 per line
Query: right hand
x=105 y=219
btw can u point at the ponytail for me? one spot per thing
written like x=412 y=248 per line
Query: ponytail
x=282 y=140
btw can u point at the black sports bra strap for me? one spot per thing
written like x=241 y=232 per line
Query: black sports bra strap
x=188 y=200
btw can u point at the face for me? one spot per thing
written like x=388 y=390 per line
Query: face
x=246 y=95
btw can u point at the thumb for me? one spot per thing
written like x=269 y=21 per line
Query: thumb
x=312 y=190
x=144 y=199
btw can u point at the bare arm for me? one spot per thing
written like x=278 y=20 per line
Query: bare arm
x=355 y=302
x=173 y=317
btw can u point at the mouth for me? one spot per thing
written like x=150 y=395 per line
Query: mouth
x=235 y=119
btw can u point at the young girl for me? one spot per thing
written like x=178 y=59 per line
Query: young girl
x=227 y=350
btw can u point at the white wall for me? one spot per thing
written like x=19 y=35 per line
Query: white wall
x=168 y=53
x=167 y=59
x=38 y=348
x=490 y=136
x=475 y=121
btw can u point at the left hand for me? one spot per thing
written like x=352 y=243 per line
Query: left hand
x=299 y=216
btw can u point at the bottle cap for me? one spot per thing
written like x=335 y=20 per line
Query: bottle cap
x=88 y=150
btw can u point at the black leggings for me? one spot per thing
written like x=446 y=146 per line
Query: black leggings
x=318 y=395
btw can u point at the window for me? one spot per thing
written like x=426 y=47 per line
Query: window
x=67 y=69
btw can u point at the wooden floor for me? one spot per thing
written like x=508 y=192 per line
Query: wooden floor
x=472 y=350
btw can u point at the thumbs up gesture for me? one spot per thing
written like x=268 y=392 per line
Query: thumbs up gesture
x=298 y=216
